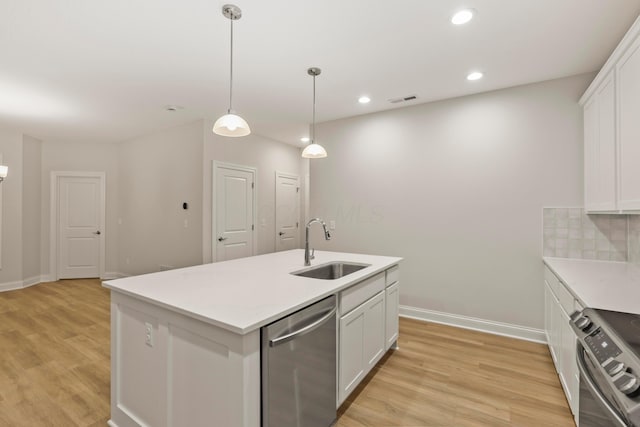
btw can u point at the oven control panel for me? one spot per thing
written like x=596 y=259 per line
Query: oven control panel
x=602 y=346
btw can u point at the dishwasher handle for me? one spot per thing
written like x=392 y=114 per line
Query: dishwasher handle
x=595 y=391
x=305 y=329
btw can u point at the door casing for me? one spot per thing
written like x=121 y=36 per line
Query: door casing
x=54 y=225
x=214 y=225
x=296 y=207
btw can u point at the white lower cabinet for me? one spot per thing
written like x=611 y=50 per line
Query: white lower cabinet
x=392 y=303
x=368 y=327
x=559 y=304
x=361 y=343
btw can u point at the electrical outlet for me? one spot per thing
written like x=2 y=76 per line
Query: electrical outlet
x=332 y=225
x=186 y=223
x=148 y=331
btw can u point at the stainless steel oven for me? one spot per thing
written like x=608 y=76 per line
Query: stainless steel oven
x=608 y=356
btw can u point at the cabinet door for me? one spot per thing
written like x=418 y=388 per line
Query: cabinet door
x=361 y=343
x=351 y=369
x=392 y=302
x=628 y=74
x=569 y=364
x=600 y=149
x=552 y=306
x=374 y=330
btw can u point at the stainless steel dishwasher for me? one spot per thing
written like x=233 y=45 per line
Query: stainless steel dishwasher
x=299 y=368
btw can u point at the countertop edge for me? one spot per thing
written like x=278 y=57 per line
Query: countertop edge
x=599 y=284
x=252 y=326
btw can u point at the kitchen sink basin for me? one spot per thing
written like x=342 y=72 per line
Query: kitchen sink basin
x=331 y=271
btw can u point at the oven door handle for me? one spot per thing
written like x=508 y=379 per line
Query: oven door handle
x=582 y=367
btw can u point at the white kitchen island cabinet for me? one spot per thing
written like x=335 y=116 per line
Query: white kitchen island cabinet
x=185 y=344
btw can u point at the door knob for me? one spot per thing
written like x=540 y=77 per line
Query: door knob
x=97 y=232
x=220 y=239
x=281 y=233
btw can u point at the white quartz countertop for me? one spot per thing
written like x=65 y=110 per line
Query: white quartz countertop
x=245 y=294
x=605 y=285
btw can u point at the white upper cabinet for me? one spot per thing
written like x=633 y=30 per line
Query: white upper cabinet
x=600 y=149
x=628 y=72
x=612 y=131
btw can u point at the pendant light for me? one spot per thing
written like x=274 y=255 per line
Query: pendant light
x=231 y=124
x=313 y=150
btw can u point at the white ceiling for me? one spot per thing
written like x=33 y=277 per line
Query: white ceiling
x=103 y=71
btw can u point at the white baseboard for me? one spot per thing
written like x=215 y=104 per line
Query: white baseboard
x=489 y=326
x=31 y=281
x=20 y=284
x=10 y=286
x=46 y=278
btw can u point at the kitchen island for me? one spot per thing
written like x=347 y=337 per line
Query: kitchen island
x=185 y=344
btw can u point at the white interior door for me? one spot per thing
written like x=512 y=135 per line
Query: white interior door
x=234 y=207
x=287 y=211
x=80 y=218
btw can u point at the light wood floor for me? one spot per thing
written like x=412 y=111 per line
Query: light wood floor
x=54 y=370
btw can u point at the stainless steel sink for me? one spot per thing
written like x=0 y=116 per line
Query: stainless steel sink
x=331 y=271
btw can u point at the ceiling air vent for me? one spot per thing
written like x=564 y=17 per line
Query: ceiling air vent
x=404 y=99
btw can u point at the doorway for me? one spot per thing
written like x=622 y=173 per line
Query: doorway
x=287 y=211
x=234 y=210
x=77 y=232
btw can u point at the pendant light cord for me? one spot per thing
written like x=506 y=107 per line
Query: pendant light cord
x=231 y=71
x=313 y=125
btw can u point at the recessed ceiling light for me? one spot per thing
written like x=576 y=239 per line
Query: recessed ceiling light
x=364 y=100
x=476 y=75
x=462 y=17
x=305 y=139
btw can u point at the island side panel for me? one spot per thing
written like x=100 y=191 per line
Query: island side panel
x=186 y=372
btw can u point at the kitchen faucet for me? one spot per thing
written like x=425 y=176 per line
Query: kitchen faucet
x=327 y=236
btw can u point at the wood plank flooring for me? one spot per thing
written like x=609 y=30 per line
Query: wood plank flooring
x=54 y=370
x=444 y=376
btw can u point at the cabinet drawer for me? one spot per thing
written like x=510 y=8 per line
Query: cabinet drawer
x=551 y=279
x=393 y=275
x=352 y=297
x=560 y=291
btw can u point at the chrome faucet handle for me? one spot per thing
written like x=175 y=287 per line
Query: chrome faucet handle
x=313 y=253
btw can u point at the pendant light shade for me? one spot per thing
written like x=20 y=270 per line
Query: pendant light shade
x=313 y=150
x=231 y=124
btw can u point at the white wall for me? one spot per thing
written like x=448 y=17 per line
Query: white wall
x=157 y=173
x=88 y=157
x=31 y=208
x=11 y=232
x=267 y=156
x=457 y=189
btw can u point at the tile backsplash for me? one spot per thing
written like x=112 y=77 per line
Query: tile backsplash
x=570 y=233
x=634 y=239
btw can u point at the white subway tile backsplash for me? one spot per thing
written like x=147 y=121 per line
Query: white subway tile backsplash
x=571 y=233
